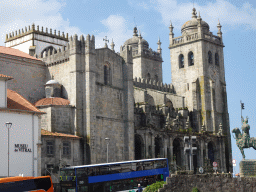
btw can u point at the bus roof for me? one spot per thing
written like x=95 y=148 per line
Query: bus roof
x=120 y=162
x=18 y=178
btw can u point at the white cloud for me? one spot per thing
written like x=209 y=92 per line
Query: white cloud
x=16 y=15
x=117 y=30
x=228 y=14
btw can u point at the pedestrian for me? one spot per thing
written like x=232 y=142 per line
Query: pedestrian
x=139 y=188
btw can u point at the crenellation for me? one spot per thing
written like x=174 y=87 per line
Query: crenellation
x=157 y=85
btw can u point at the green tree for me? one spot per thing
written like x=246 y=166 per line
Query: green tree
x=155 y=186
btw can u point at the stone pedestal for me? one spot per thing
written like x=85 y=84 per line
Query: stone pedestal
x=247 y=167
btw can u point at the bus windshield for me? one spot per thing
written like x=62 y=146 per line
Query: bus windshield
x=25 y=184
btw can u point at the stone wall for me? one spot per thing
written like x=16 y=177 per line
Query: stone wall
x=29 y=76
x=209 y=182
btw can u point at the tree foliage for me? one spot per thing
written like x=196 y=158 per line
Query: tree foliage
x=154 y=187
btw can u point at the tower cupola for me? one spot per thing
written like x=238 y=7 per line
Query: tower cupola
x=52 y=89
x=191 y=26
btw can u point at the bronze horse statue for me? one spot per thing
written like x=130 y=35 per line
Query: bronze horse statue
x=244 y=140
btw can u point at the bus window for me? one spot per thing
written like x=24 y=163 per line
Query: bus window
x=105 y=170
x=115 y=168
x=148 y=165
x=160 y=164
x=126 y=167
x=67 y=172
x=81 y=172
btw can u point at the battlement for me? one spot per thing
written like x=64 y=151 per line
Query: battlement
x=192 y=37
x=74 y=46
x=145 y=83
x=31 y=29
x=52 y=58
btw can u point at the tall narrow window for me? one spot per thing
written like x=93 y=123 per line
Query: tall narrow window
x=190 y=58
x=181 y=60
x=50 y=148
x=107 y=75
x=216 y=59
x=210 y=57
x=66 y=148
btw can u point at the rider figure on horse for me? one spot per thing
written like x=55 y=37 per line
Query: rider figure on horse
x=246 y=134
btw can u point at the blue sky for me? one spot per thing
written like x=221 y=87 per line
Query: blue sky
x=116 y=19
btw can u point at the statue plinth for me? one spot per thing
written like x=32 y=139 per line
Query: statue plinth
x=247 y=167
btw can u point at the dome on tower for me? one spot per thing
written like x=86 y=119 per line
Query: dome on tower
x=135 y=39
x=52 y=82
x=191 y=25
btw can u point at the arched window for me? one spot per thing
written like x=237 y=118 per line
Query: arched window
x=148 y=76
x=107 y=75
x=156 y=78
x=181 y=60
x=210 y=57
x=52 y=50
x=216 y=59
x=191 y=58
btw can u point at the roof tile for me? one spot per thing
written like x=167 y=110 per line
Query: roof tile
x=16 y=101
x=5 y=76
x=16 y=52
x=55 y=134
x=52 y=101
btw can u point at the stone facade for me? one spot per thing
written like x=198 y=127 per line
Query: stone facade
x=121 y=96
x=208 y=182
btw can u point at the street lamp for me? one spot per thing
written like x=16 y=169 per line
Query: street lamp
x=8 y=126
x=189 y=140
x=107 y=139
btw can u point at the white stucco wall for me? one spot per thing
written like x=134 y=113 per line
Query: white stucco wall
x=21 y=132
x=3 y=94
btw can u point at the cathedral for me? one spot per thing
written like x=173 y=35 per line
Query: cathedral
x=96 y=99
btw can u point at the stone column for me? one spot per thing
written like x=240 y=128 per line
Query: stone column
x=224 y=156
x=202 y=153
x=206 y=150
x=153 y=146
x=146 y=145
x=165 y=146
x=171 y=150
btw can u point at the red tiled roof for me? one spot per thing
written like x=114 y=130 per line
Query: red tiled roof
x=16 y=101
x=48 y=133
x=16 y=52
x=52 y=101
x=5 y=76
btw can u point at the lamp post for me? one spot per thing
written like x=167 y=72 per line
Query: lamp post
x=8 y=126
x=189 y=140
x=107 y=139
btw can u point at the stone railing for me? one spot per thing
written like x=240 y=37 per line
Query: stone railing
x=194 y=36
x=145 y=83
x=149 y=53
x=212 y=38
x=178 y=40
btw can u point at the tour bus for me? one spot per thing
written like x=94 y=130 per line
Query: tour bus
x=26 y=184
x=113 y=177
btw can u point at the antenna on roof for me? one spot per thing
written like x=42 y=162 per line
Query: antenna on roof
x=135 y=22
x=193 y=4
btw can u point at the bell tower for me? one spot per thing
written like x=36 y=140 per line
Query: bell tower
x=198 y=74
x=197 y=66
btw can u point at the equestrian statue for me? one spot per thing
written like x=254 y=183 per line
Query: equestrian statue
x=243 y=140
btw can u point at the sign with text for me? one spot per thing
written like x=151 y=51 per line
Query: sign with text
x=21 y=148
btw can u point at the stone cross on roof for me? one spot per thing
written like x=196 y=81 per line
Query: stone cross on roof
x=106 y=41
